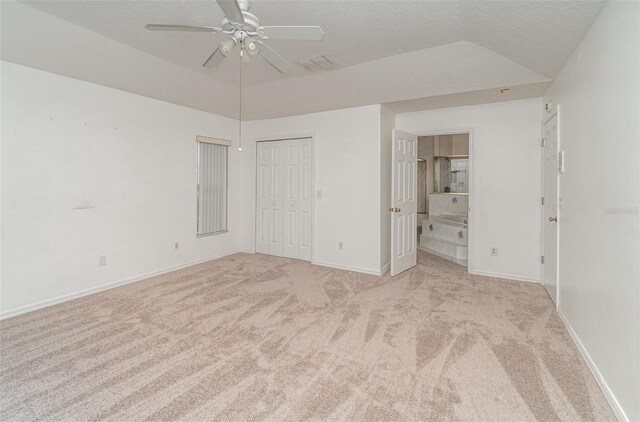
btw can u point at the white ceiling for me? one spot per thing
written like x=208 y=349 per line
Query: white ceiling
x=449 y=69
x=105 y=42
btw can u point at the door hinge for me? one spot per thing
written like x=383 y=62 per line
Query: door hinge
x=542 y=259
x=543 y=200
x=544 y=142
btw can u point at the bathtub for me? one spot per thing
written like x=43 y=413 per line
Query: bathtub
x=446 y=236
x=454 y=220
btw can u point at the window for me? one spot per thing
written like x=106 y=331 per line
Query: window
x=212 y=185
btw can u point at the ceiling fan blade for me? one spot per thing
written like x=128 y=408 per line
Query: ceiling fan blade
x=231 y=10
x=188 y=28
x=274 y=59
x=215 y=59
x=312 y=33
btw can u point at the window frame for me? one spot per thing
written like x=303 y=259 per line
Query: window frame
x=225 y=143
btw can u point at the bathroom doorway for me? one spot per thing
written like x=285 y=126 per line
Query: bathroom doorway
x=444 y=185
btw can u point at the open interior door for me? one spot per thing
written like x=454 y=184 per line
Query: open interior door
x=404 y=203
x=550 y=209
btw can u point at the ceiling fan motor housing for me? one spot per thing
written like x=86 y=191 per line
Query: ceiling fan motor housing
x=250 y=25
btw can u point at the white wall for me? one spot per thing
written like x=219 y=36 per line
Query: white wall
x=347 y=172
x=506 y=186
x=598 y=95
x=89 y=171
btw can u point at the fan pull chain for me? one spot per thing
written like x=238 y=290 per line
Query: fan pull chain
x=240 y=111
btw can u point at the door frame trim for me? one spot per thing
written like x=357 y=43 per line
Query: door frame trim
x=471 y=226
x=254 y=146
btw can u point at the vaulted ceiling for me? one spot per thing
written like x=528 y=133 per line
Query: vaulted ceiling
x=410 y=54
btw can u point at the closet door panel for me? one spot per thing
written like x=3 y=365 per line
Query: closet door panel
x=305 y=157
x=283 y=214
x=269 y=201
x=263 y=195
x=291 y=242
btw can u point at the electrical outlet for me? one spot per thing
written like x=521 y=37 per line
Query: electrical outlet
x=176 y=245
x=494 y=251
x=102 y=260
x=340 y=245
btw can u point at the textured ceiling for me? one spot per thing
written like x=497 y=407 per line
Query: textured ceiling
x=105 y=42
x=537 y=34
x=455 y=68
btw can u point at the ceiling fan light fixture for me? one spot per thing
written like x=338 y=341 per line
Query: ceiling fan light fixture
x=250 y=46
x=227 y=46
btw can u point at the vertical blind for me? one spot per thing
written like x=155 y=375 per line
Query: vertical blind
x=212 y=186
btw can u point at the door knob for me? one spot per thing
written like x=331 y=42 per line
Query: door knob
x=397 y=209
x=391 y=209
x=553 y=219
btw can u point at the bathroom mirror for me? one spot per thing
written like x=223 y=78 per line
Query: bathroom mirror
x=451 y=174
x=422 y=187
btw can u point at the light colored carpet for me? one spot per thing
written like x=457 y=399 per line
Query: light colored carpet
x=254 y=337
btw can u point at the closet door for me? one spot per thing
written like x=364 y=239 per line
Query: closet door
x=297 y=199
x=270 y=199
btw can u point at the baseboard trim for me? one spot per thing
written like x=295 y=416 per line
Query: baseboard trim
x=347 y=268
x=608 y=394
x=86 y=292
x=505 y=276
x=386 y=268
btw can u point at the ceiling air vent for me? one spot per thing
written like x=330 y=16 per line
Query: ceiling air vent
x=314 y=63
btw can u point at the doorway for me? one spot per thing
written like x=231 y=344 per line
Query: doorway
x=551 y=166
x=284 y=198
x=443 y=228
x=440 y=171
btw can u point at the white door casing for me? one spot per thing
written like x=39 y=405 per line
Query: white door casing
x=283 y=198
x=550 y=208
x=404 y=204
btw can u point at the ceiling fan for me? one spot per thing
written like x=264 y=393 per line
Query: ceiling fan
x=244 y=29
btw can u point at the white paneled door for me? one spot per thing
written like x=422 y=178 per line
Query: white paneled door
x=404 y=204
x=283 y=214
x=550 y=208
x=270 y=200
